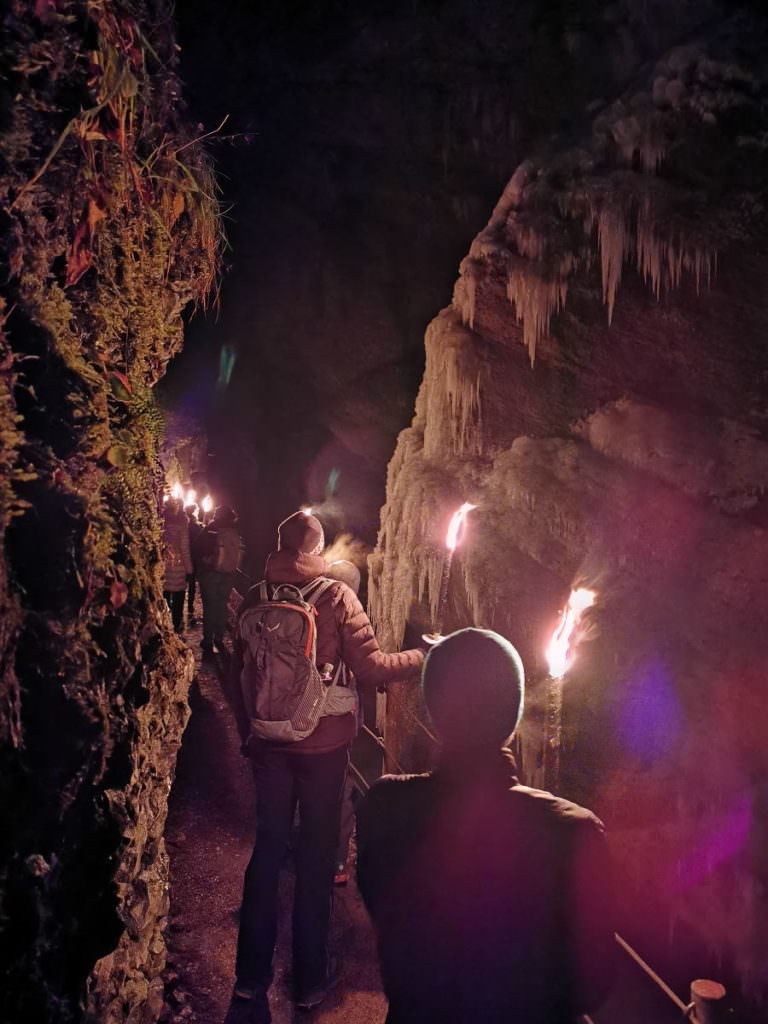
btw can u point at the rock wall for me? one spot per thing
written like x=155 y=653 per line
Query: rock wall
x=109 y=230
x=380 y=135
x=597 y=389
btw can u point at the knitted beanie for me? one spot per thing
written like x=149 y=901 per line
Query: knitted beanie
x=301 y=532
x=473 y=684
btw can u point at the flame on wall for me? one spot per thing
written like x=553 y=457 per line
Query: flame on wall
x=456 y=526
x=561 y=649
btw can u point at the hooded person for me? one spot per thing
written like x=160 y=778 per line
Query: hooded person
x=491 y=901
x=178 y=560
x=219 y=551
x=309 y=772
x=348 y=573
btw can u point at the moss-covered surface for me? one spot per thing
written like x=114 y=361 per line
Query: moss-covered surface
x=109 y=229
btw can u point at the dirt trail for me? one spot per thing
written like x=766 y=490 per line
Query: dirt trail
x=210 y=834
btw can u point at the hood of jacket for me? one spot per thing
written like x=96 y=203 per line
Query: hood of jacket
x=287 y=566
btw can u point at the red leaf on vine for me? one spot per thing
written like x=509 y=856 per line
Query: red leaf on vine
x=118 y=594
x=81 y=251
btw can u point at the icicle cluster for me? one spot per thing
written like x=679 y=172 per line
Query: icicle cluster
x=608 y=203
x=452 y=385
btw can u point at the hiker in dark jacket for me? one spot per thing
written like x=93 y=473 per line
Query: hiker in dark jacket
x=195 y=529
x=219 y=549
x=178 y=561
x=491 y=901
x=348 y=573
x=309 y=772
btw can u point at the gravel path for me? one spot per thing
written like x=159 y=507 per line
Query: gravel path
x=209 y=836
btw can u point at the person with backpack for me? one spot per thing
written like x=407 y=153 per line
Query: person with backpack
x=178 y=561
x=295 y=630
x=220 y=551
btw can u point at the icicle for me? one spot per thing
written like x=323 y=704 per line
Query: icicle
x=535 y=301
x=612 y=240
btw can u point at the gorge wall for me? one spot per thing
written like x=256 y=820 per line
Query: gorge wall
x=109 y=230
x=369 y=142
x=597 y=387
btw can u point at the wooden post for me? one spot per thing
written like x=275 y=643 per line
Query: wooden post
x=707 y=1004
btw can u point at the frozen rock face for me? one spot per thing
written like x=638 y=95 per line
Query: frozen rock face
x=383 y=134
x=598 y=389
x=108 y=233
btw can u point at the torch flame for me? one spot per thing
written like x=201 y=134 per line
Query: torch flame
x=560 y=652
x=307 y=510
x=177 y=491
x=456 y=526
x=207 y=503
x=191 y=497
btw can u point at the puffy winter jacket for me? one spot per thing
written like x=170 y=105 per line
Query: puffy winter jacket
x=344 y=633
x=178 y=561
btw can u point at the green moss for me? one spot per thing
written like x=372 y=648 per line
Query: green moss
x=113 y=229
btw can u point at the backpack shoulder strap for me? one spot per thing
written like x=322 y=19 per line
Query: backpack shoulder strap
x=315 y=590
x=263 y=591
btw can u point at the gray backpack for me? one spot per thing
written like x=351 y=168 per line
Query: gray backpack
x=285 y=695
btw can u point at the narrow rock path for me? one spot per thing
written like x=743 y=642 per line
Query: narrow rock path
x=209 y=835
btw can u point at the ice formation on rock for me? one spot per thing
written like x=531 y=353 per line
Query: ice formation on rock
x=631 y=457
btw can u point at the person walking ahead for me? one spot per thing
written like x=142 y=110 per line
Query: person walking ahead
x=308 y=771
x=220 y=550
x=491 y=901
x=178 y=561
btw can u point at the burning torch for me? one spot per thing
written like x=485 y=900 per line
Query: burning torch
x=191 y=497
x=207 y=507
x=453 y=538
x=560 y=655
x=177 y=492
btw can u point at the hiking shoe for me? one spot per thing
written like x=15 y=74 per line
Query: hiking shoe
x=312 y=999
x=248 y=1006
x=341 y=875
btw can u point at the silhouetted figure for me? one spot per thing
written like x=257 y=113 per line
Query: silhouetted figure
x=492 y=902
x=220 y=551
x=178 y=561
x=309 y=772
x=348 y=573
x=196 y=529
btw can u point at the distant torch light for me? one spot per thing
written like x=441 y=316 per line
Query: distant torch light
x=453 y=538
x=307 y=510
x=177 y=491
x=207 y=503
x=191 y=497
x=166 y=497
x=561 y=650
x=455 y=533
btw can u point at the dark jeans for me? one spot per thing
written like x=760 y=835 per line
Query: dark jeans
x=215 y=588
x=175 y=599
x=191 y=586
x=316 y=782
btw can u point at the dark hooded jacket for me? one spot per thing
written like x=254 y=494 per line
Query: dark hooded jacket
x=344 y=633
x=491 y=901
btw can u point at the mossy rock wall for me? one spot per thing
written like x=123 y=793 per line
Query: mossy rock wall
x=109 y=229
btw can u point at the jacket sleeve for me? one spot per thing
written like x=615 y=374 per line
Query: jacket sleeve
x=361 y=652
x=591 y=922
